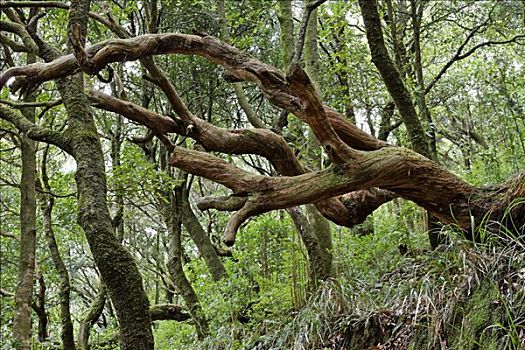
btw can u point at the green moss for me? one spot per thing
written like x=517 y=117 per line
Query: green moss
x=472 y=327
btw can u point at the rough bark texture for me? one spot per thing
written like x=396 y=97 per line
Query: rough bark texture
x=81 y=140
x=115 y=263
x=254 y=141
x=26 y=261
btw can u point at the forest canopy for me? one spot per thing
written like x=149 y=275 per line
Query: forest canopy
x=244 y=174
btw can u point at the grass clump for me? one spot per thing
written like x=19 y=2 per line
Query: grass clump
x=462 y=296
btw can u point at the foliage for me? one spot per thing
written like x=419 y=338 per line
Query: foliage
x=389 y=289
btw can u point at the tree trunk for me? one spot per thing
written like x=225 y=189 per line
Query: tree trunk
x=392 y=77
x=320 y=225
x=201 y=240
x=40 y=308
x=317 y=266
x=46 y=206
x=245 y=105
x=91 y=317
x=115 y=263
x=26 y=261
x=172 y=213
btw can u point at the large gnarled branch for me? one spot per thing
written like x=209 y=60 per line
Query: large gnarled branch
x=247 y=141
x=397 y=170
x=394 y=169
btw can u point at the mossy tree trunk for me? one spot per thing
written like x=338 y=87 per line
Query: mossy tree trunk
x=116 y=265
x=26 y=260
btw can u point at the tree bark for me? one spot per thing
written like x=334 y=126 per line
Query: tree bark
x=116 y=265
x=46 y=206
x=26 y=261
x=172 y=214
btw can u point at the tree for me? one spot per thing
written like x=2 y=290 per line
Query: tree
x=296 y=94
x=361 y=172
x=81 y=141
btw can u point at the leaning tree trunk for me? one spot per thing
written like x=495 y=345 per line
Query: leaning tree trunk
x=201 y=240
x=90 y=318
x=393 y=80
x=172 y=213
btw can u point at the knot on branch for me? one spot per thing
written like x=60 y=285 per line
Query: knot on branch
x=107 y=80
x=190 y=129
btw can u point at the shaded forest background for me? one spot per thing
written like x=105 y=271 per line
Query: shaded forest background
x=111 y=178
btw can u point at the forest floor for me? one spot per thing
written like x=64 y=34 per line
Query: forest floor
x=461 y=296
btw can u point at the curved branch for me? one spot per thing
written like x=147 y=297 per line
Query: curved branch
x=48 y=104
x=33 y=131
x=21 y=31
x=272 y=82
x=294 y=93
x=246 y=141
x=13 y=45
x=51 y=4
x=398 y=170
x=458 y=56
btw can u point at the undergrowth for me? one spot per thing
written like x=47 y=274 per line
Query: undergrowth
x=461 y=296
